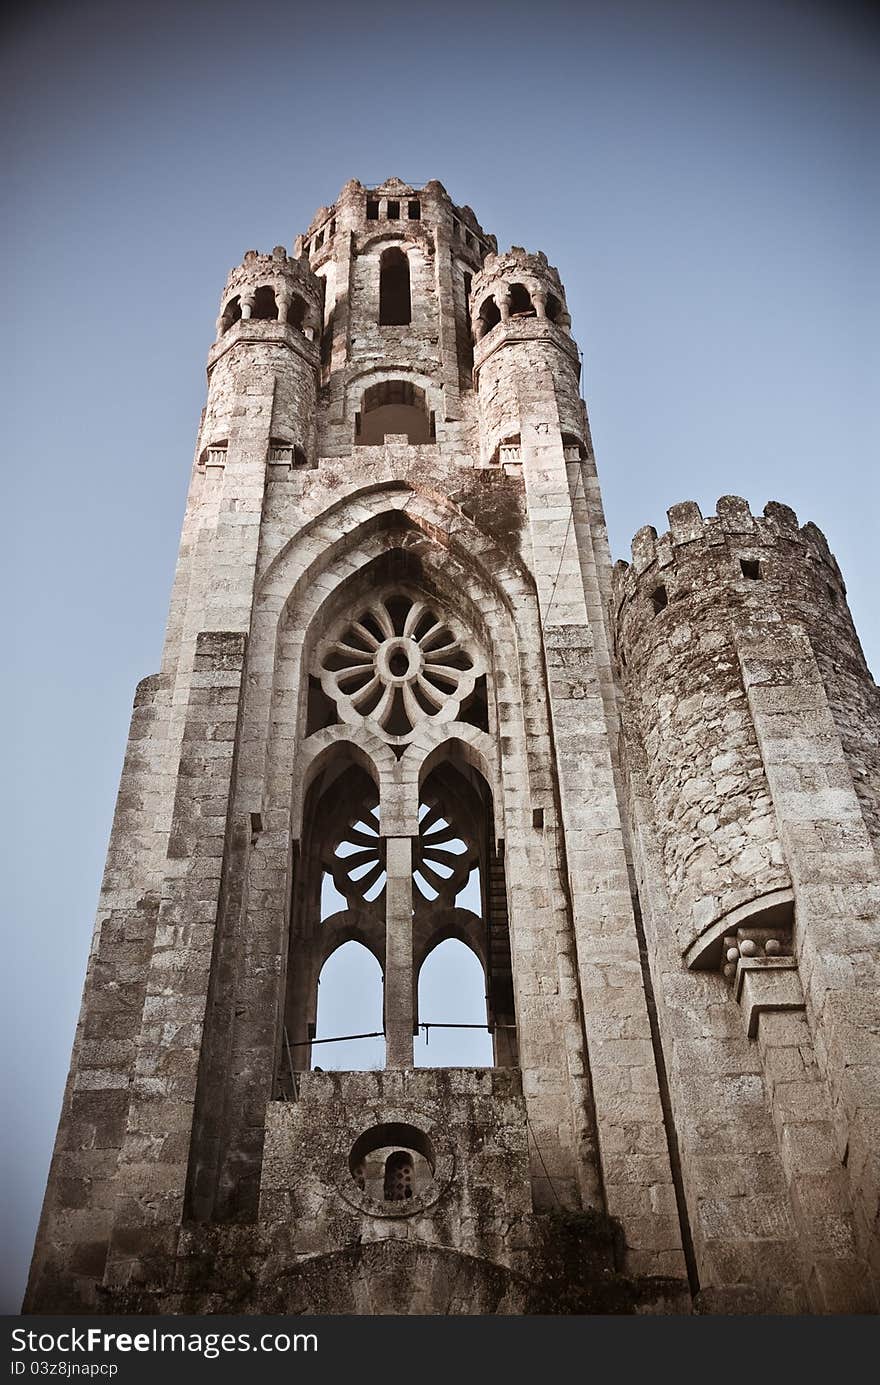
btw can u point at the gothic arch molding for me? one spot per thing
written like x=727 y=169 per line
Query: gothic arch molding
x=429 y=510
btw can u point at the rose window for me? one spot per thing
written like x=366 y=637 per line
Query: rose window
x=396 y=664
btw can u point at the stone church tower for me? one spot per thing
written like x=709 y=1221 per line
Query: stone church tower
x=395 y=629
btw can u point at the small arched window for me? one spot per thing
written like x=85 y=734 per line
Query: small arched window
x=490 y=315
x=553 y=309
x=265 y=308
x=395 y=307
x=521 y=304
x=231 y=313
x=399 y=1176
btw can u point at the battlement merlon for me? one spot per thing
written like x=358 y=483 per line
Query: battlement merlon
x=655 y=556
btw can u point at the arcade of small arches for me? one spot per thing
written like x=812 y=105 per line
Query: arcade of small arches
x=516 y=302
x=399 y=407
x=270 y=304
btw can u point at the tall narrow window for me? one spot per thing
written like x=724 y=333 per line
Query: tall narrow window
x=463 y=339
x=349 y=1002
x=452 y=997
x=395 y=309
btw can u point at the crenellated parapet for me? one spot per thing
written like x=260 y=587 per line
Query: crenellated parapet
x=755 y=561
x=397 y=208
x=738 y=566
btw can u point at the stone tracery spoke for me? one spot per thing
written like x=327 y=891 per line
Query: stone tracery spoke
x=414 y=708
x=358 y=837
x=350 y=651
x=432 y=693
x=441 y=651
x=358 y=863
x=444 y=672
x=443 y=858
x=414 y=616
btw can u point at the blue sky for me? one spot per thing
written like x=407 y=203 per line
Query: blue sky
x=703 y=175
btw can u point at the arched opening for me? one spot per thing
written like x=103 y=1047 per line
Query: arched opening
x=399 y=1176
x=489 y=316
x=349 y=1002
x=461 y=937
x=521 y=304
x=265 y=308
x=553 y=308
x=393 y=1162
x=393 y=406
x=452 y=991
x=296 y=312
x=231 y=313
x=337 y=927
x=395 y=307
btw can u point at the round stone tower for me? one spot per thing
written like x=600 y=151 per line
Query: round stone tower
x=677 y=610
x=522 y=334
x=263 y=366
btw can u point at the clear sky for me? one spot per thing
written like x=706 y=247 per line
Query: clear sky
x=703 y=175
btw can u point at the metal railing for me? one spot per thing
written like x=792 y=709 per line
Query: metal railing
x=426 y=1025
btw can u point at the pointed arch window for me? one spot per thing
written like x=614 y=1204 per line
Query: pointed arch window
x=452 y=990
x=349 y=1002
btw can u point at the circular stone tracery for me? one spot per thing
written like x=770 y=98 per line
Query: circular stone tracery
x=396 y=664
